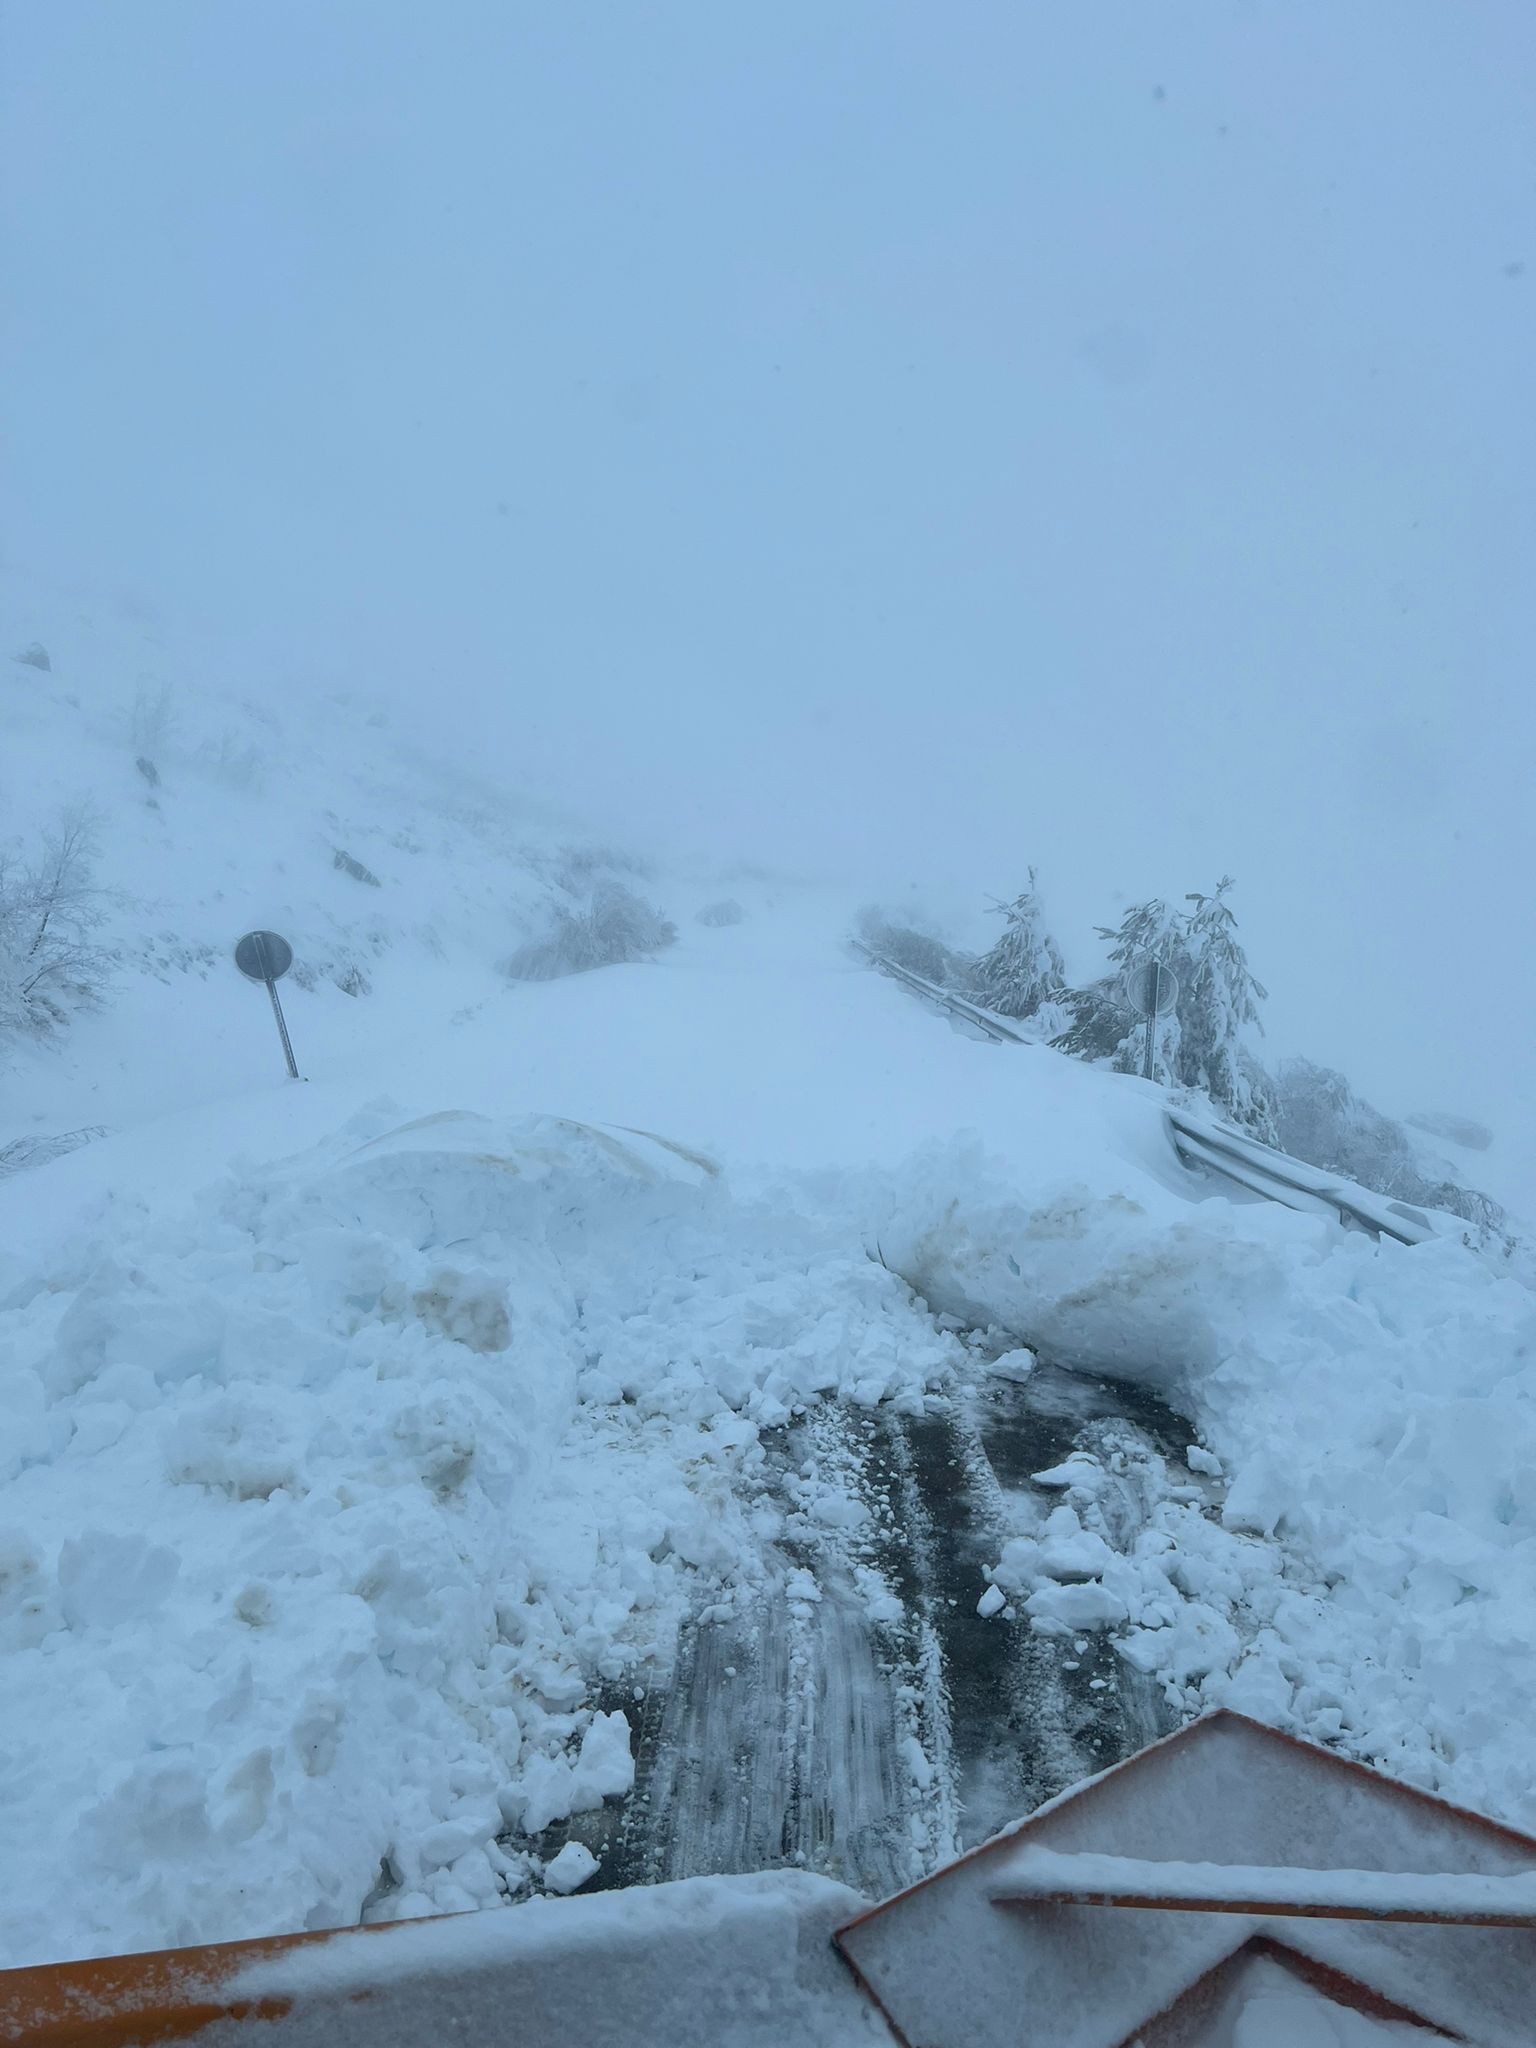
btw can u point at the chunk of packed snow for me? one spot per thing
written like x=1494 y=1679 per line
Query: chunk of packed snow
x=1079 y=1470
x=1069 y=1551
x=1016 y=1365
x=570 y=1869
x=1062 y=1610
x=604 y=1768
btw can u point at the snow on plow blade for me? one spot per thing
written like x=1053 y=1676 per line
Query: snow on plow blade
x=115 y=2001
x=1228 y=1873
x=747 y=1961
x=1230 y=1883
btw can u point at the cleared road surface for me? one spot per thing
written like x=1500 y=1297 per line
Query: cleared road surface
x=855 y=1715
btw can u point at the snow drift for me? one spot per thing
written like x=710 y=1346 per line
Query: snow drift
x=330 y=1499
x=1373 y=1409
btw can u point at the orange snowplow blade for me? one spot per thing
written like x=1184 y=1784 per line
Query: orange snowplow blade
x=631 y=1969
x=125 y=2001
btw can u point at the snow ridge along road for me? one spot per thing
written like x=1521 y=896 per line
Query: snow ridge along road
x=1206 y=1141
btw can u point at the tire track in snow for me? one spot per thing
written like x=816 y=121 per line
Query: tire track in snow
x=855 y=1714
x=779 y=1738
x=1073 y=1705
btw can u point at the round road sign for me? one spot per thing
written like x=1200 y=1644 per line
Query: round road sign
x=263 y=956
x=1150 y=986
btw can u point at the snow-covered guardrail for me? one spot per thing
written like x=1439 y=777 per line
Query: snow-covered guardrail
x=1216 y=1147
x=1206 y=1143
x=999 y=1029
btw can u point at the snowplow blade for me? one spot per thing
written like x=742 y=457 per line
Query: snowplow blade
x=615 y=1970
x=171 y=1994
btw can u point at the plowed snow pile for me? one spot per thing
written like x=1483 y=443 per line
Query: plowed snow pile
x=344 y=1503
x=327 y=1503
x=334 y=1503
x=1369 y=1406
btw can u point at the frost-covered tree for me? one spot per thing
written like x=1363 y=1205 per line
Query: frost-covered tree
x=612 y=925
x=1201 y=1045
x=1024 y=969
x=1216 y=1010
x=1104 y=1026
x=1099 y=1020
x=51 y=909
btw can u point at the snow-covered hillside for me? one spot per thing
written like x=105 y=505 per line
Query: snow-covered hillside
x=404 y=875
x=374 y=1442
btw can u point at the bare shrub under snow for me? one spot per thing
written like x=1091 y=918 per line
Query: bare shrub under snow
x=152 y=723
x=726 y=911
x=918 y=951
x=51 y=909
x=612 y=925
x=1321 y=1119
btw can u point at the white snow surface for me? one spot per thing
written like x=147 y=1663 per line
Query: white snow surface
x=1275 y=2009
x=359 y=1434
x=329 y=1499
x=1371 y=1404
x=1035 y=1872
x=723 y=1962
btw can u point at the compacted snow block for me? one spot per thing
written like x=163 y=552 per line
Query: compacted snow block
x=1226 y=1878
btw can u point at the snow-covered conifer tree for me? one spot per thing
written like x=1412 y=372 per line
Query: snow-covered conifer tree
x=1024 y=969
x=1216 y=1008
x=1104 y=1026
x=1201 y=1045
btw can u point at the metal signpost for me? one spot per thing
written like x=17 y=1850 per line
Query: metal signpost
x=1151 y=990
x=267 y=956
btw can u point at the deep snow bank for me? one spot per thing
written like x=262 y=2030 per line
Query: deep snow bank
x=1372 y=1406
x=329 y=1499
x=331 y=1496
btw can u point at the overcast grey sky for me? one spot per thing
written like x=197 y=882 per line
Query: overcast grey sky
x=908 y=439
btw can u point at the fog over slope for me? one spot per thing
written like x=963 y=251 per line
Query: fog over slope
x=1092 y=438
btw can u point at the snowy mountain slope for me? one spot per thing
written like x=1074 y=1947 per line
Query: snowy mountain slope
x=250 y=821
x=372 y=1437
